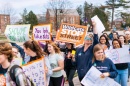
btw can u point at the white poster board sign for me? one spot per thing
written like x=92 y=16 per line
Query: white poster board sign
x=99 y=25
x=35 y=71
x=92 y=78
x=120 y=55
x=17 y=33
x=42 y=32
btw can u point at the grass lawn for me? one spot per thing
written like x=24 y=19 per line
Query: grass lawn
x=2 y=37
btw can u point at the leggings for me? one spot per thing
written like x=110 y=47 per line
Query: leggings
x=70 y=74
x=56 y=81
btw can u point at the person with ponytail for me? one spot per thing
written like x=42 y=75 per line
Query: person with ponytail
x=33 y=49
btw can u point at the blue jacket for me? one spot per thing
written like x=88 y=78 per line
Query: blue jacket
x=82 y=58
x=106 y=66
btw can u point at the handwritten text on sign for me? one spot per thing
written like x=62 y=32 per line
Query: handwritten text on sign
x=2 y=80
x=35 y=71
x=42 y=32
x=71 y=33
x=17 y=33
x=117 y=56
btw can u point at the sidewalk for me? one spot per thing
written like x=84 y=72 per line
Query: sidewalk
x=77 y=83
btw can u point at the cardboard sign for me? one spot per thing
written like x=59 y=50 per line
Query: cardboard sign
x=17 y=33
x=72 y=34
x=2 y=80
x=42 y=32
x=35 y=71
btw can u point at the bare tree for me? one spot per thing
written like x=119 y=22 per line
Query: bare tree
x=8 y=9
x=60 y=8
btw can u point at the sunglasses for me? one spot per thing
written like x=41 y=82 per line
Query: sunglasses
x=87 y=38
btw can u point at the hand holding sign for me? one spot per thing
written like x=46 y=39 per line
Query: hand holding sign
x=99 y=25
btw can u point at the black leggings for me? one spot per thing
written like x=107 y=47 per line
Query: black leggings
x=56 y=81
x=70 y=74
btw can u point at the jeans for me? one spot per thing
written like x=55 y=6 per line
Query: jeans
x=122 y=77
x=128 y=70
x=70 y=74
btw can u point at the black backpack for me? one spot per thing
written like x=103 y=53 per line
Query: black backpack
x=12 y=74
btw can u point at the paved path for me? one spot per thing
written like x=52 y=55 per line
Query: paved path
x=77 y=83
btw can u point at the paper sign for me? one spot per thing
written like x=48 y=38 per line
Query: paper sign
x=35 y=71
x=17 y=33
x=73 y=52
x=99 y=25
x=92 y=78
x=72 y=33
x=42 y=32
x=117 y=56
x=2 y=80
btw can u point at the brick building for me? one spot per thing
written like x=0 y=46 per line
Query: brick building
x=70 y=16
x=4 y=20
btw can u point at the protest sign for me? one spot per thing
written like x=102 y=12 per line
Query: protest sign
x=120 y=55
x=17 y=33
x=72 y=33
x=35 y=71
x=2 y=80
x=42 y=32
x=92 y=78
x=99 y=25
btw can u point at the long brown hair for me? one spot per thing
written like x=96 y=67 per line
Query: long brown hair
x=6 y=49
x=35 y=47
x=118 y=42
x=95 y=49
x=57 y=50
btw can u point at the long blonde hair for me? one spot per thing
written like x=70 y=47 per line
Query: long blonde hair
x=95 y=49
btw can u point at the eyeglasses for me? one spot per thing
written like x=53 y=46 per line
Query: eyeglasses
x=102 y=39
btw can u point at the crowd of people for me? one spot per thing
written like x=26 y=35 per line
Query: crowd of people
x=60 y=56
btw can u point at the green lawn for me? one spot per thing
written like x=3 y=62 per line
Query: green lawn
x=2 y=37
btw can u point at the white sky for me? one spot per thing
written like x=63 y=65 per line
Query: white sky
x=39 y=6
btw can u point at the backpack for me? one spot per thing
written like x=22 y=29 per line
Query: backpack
x=12 y=75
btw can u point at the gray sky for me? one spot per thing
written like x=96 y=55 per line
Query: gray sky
x=39 y=6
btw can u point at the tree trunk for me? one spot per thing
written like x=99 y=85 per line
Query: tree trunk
x=112 y=13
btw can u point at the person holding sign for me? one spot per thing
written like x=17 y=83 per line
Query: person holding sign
x=103 y=64
x=69 y=67
x=57 y=64
x=84 y=54
x=6 y=57
x=33 y=49
x=122 y=68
